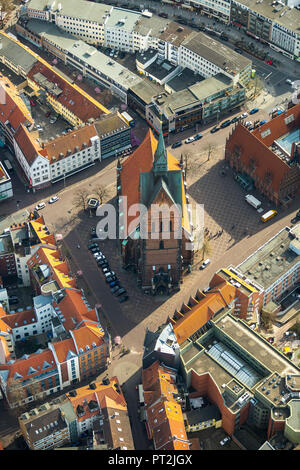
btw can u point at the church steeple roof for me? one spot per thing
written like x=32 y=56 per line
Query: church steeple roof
x=160 y=163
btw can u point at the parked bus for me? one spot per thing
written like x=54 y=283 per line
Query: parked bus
x=268 y=215
x=128 y=119
x=8 y=166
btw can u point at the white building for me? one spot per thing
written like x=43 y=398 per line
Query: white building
x=6 y=190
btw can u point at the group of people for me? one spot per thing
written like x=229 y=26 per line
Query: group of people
x=209 y=234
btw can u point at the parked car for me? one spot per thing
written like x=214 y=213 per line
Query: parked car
x=110 y=279
x=176 y=144
x=102 y=262
x=121 y=291
x=109 y=274
x=225 y=440
x=225 y=124
x=53 y=199
x=262 y=122
x=206 y=263
x=123 y=298
x=239 y=51
x=214 y=129
x=115 y=289
x=198 y=136
x=41 y=205
x=53 y=120
x=189 y=140
x=92 y=245
x=248 y=123
x=253 y=111
x=235 y=119
x=105 y=270
x=224 y=38
x=32 y=103
x=244 y=115
x=95 y=249
x=114 y=283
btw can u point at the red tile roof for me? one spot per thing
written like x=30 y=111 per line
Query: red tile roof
x=70 y=97
x=70 y=143
x=28 y=145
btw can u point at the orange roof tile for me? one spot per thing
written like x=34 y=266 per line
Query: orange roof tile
x=63 y=347
x=99 y=394
x=22 y=366
x=203 y=311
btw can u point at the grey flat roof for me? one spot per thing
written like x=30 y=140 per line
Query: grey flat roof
x=290 y=19
x=184 y=79
x=144 y=56
x=154 y=26
x=87 y=53
x=146 y=90
x=160 y=69
x=16 y=54
x=210 y=86
x=215 y=52
x=109 y=124
x=90 y=11
x=106 y=65
x=51 y=32
x=270 y=261
x=122 y=19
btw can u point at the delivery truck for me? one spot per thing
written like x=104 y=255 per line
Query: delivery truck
x=252 y=201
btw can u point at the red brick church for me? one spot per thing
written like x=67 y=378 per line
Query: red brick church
x=158 y=247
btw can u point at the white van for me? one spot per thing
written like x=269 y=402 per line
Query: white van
x=41 y=205
x=206 y=263
x=253 y=201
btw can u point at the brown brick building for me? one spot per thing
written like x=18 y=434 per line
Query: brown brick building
x=157 y=244
x=269 y=156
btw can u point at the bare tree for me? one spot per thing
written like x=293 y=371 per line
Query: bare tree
x=106 y=96
x=7 y=5
x=80 y=199
x=210 y=147
x=101 y=192
x=206 y=248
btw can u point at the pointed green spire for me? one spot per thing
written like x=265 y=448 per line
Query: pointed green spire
x=160 y=164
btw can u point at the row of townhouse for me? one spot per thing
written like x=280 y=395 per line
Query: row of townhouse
x=163 y=408
x=98 y=408
x=48 y=161
x=134 y=31
x=274 y=23
x=78 y=346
